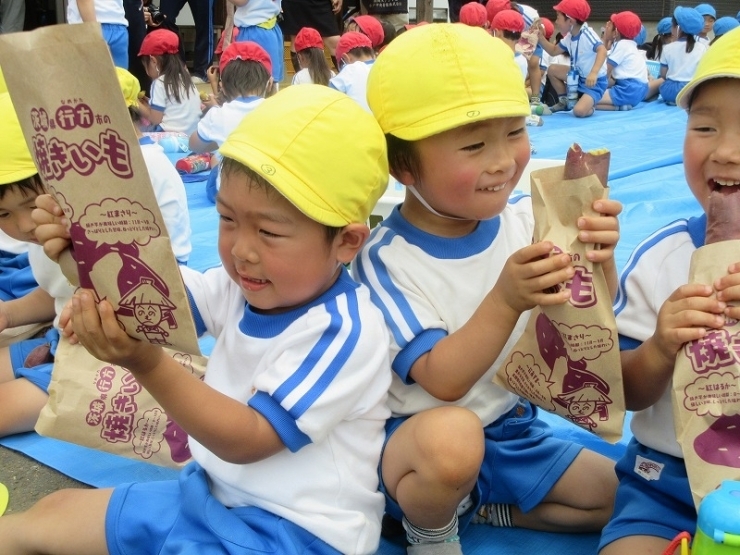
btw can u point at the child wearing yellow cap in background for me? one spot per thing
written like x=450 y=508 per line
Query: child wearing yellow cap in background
x=287 y=427
x=657 y=313
x=25 y=366
x=169 y=190
x=455 y=274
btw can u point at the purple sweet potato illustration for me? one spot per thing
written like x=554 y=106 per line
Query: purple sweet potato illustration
x=720 y=443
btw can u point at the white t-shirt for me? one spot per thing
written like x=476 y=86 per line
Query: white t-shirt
x=319 y=374
x=172 y=199
x=681 y=64
x=180 y=116
x=303 y=77
x=255 y=12
x=430 y=286
x=106 y=11
x=582 y=49
x=627 y=62
x=50 y=278
x=352 y=81
x=521 y=61
x=220 y=121
x=656 y=268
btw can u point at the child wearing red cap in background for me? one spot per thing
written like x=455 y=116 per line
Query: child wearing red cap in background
x=367 y=25
x=474 y=15
x=246 y=80
x=355 y=56
x=256 y=21
x=548 y=95
x=587 y=57
x=173 y=103
x=309 y=47
x=508 y=25
x=626 y=70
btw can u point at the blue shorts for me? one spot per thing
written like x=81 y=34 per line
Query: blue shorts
x=628 y=92
x=181 y=517
x=595 y=92
x=522 y=463
x=537 y=51
x=117 y=38
x=272 y=41
x=16 y=278
x=39 y=375
x=651 y=501
x=669 y=90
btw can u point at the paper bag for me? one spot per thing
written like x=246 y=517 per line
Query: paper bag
x=706 y=387
x=567 y=361
x=102 y=406
x=80 y=134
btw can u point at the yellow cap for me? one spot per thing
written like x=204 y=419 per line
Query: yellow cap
x=721 y=60
x=319 y=149
x=443 y=76
x=130 y=87
x=16 y=162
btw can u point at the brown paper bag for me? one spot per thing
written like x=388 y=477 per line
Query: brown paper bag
x=102 y=406
x=567 y=361
x=706 y=387
x=79 y=131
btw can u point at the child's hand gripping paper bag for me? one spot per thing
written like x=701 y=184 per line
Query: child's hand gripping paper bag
x=567 y=361
x=102 y=406
x=80 y=134
x=706 y=378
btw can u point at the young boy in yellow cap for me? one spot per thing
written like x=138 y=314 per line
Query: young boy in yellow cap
x=455 y=274
x=657 y=313
x=25 y=366
x=287 y=428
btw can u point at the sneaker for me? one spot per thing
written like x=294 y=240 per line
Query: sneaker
x=559 y=106
x=450 y=546
x=198 y=80
x=540 y=109
x=624 y=107
x=533 y=120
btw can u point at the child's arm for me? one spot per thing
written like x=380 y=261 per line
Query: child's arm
x=554 y=49
x=36 y=306
x=230 y=429
x=87 y=10
x=239 y=3
x=197 y=144
x=458 y=361
x=685 y=316
x=154 y=116
x=593 y=76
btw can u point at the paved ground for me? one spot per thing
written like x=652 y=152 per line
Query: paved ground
x=28 y=480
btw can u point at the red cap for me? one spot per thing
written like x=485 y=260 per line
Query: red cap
x=575 y=9
x=158 y=42
x=220 y=45
x=371 y=27
x=473 y=14
x=308 y=37
x=413 y=25
x=508 y=20
x=495 y=6
x=349 y=41
x=548 y=26
x=246 y=50
x=627 y=23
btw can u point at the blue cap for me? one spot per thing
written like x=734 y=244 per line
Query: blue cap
x=725 y=24
x=664 y=26
x=706 y=9
x=641 y=37
x=689 y=20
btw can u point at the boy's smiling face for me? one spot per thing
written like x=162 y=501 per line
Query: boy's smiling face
x=279 y=257
x=712 y=143
x=468 y=172
x=16 y=206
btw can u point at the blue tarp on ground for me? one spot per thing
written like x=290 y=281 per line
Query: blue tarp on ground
x=646 y=176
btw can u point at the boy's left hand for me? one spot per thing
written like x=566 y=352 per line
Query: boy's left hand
x=602 y=230
x=728 y=291
x=97 y=328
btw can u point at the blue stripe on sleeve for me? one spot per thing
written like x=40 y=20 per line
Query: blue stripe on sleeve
x=200 y=325
x=283 y=423
x=420 y=345
x=627 y=343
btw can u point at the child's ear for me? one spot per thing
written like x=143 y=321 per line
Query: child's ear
x=350 y=240
x=403 y=176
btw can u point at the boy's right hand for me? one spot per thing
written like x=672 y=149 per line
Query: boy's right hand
x=685 y=316
x=52 y=228
x=529 y=276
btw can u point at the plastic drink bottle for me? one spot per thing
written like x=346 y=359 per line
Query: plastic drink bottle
x=571 y=88
x=718 y=526
x=194 y=163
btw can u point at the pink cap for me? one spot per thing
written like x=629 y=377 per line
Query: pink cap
x=473 y=14
x=246 y=50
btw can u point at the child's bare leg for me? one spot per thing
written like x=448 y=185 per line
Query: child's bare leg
x=431 y=463
x=20 y=400
x=584 y=107
x=606 y=102
x=581 y=501
x=67 y=522
x=645 y=545
x=558 y=73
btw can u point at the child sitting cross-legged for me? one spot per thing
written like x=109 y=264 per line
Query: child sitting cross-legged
x=286 y=429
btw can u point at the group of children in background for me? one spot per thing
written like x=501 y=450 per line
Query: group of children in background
x=306 y=432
